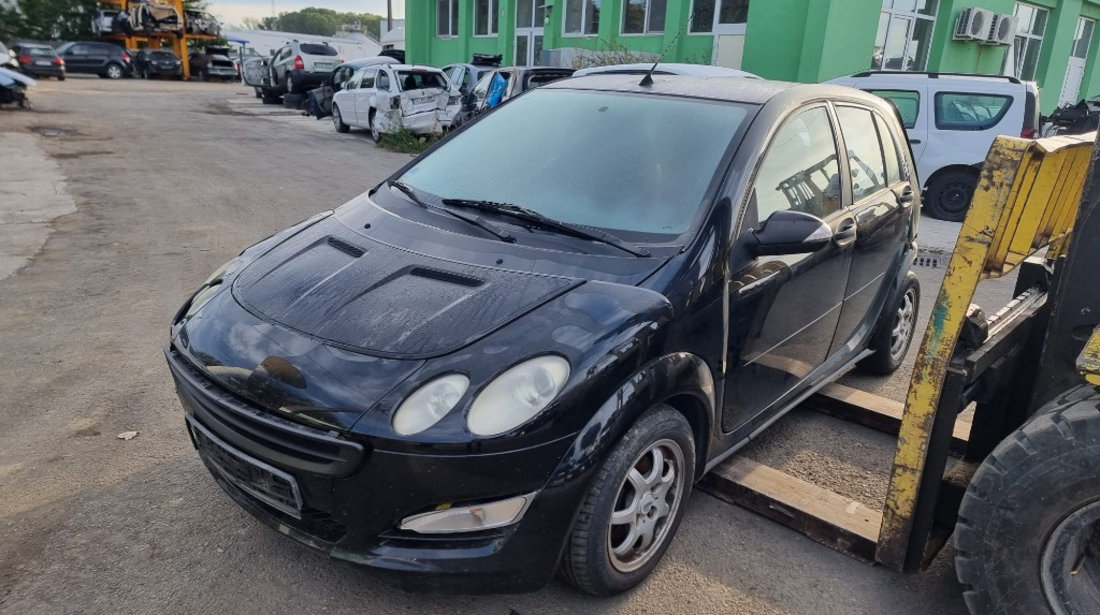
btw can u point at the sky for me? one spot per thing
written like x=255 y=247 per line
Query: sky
x=233 y=12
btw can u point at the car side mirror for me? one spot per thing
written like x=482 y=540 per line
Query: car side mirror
x=790 y=232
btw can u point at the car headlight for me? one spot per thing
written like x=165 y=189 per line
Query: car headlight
x=426 y=405
x=517 y=395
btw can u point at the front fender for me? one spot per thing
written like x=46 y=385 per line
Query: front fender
x=679 y=376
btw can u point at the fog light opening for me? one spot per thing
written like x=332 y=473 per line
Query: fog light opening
x=469 y=518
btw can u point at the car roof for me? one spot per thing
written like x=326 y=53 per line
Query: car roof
x=736 y=89
x=371 y=61
x=673 y=68
x=904 y=76
x=415 y=67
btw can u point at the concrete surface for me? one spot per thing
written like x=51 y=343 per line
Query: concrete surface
x=169 y=180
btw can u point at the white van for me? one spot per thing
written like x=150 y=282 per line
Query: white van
x=952 y=120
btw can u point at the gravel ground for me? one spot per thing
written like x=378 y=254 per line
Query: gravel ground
x=165 y=181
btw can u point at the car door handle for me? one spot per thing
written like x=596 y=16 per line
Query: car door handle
x=906 y=196
x=846 y=233
x=915 y=141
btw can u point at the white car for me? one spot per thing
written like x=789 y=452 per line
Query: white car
x=389 y=97
x=952 y=120
x=663 y=68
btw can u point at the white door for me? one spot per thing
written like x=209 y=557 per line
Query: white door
x=1075 y=69
x=529 y=18
x=729 y=32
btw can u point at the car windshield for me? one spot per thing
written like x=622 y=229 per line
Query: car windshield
x=318 y=50
x=624 y=162
x=41 y=51
x=420 y=79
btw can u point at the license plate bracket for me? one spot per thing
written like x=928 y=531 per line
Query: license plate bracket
x=260 y=480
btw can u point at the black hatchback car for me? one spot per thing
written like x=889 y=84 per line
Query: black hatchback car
x=475 y=375
x=150 y=63
x=107 y=60
x=38 y=60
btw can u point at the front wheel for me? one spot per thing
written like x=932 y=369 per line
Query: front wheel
x=338 y=120
x=893 y=333
x=633 y=507
x=1028 y=534
x=114 y=71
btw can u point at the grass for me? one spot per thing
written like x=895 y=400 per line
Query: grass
x=408 y=142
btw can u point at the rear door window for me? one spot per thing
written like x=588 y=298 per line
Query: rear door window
x=368 y=78
x=969 y=111
x=383 y=82
x=890 y=151
x=866 y=161
x=314 y=49
x=907 y=102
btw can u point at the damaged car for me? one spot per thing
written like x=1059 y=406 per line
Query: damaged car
x=518 y=353
x=213 y=63
x=151 y=16
x=391 y=97
x=200 y=22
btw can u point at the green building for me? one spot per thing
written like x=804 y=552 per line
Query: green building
x=796 y=40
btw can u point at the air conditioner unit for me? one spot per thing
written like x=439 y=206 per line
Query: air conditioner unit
x=1002 y=31
x=973 y=24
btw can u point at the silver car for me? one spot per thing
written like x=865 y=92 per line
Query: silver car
x=298 y=67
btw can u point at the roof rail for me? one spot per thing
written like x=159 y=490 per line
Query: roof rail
x=934 y=75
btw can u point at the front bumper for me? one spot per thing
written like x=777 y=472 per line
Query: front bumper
x=221 y=71
x=354 y=495
x=52 y=70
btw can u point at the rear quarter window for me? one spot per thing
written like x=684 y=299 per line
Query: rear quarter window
x=969 y=111
x=907 y=102
x=318 y=50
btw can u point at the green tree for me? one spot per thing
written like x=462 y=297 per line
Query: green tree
x=49 y=19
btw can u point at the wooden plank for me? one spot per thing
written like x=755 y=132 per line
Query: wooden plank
x=827 y=517
x=873 y=411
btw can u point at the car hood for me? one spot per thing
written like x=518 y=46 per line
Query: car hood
x=365 y=296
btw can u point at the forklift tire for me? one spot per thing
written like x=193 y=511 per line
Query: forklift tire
x=1029 y=524
x=893 y=333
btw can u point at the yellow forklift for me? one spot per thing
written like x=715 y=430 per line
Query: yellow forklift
x=1018 y=485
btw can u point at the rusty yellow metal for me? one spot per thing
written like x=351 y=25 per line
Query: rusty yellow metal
x=1027 y=196
x=1088 y=363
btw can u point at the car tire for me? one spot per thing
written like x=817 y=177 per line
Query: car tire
x=61 y=77
x=269 y=98
x=113 y=71
x=644 y=483
x=949 y=194
x=894 y=330
x=259 y=94
x=375 y=132
x=1026 y=519
x=289 y=84
x=338 y=120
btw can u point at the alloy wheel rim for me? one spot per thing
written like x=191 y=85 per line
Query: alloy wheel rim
x=903 y=324
x=1070 y=567
x=114 y=72
x=374 y=132
x=645 y=506
x=336 y=121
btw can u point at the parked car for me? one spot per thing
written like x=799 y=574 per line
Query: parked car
x=149 y=63
x=339 y=77
x=521 y=350
x=298 y=67
x=38 y=60
x=92 y=57
x=108 y=22
x=7 y=58
x=952 y=120
x=200 y=22
x=465 y=76
x=665 y=68
x=213 y=63
x=388 y=97
x=517 y=80
x=152 y=16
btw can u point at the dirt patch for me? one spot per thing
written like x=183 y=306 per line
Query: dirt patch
x=70 y=155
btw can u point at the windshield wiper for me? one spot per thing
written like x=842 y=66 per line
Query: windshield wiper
x=477 y=221
x=530 y=215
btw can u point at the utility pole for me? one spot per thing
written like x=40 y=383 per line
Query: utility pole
x=389 y=15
